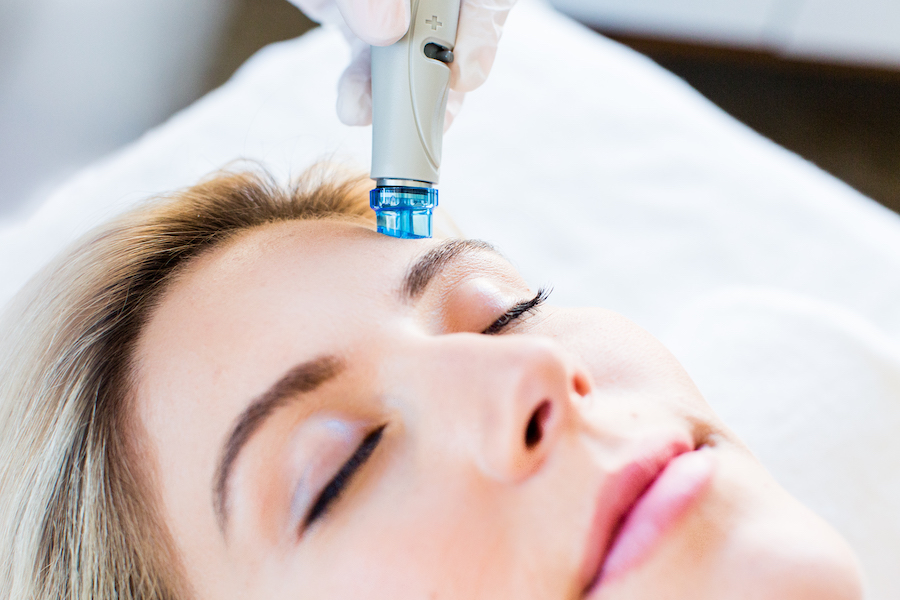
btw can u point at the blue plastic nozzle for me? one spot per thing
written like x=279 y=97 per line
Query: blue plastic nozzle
x=404 y=212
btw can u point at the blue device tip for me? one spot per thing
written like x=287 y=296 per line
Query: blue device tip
x=404 y=212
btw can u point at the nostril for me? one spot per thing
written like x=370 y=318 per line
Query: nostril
x=534 y=432
x=582 y=385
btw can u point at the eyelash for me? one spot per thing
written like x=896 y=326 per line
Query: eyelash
x=336 y=486
x=517 y=311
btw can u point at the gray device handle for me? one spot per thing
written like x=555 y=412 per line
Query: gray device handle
x=410 y=85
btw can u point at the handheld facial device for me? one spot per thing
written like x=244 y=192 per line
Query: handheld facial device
x=410 y=85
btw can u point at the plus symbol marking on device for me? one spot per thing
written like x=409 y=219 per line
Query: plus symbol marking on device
x=433 y=21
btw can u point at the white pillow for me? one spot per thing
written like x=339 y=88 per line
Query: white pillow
x=599 y=172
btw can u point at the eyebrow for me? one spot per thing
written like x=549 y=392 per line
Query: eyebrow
x=300 y=379
x=432 y=262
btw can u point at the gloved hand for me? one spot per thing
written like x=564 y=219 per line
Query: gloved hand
x=368 y=23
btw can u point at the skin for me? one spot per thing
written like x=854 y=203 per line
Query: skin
x=453 y=502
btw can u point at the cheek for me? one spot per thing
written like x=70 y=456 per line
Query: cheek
x=427 y=535
x=632 y=372
x=615 y=350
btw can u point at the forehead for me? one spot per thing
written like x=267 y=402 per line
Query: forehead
x=246 y=290
x=251 y=308
x=301 y=257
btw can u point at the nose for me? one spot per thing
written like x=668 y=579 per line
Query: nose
x=510 y=398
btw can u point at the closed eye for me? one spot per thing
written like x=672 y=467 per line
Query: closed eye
x=340 y=481
x=517 y=311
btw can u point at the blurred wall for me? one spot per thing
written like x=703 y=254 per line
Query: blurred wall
x=79 y=78
x=858 y=32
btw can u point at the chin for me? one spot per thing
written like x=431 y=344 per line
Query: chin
x=795 y=556
x=747 y=540
x=777 y=568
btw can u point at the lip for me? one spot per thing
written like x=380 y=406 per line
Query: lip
x=638 y=504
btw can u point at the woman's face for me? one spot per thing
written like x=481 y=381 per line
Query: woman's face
x=332 y=413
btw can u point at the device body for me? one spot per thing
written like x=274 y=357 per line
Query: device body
x=410 y=86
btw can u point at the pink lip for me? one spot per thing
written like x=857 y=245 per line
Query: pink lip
x=639 y=505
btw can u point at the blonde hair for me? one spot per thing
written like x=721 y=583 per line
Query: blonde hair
x=77 y=515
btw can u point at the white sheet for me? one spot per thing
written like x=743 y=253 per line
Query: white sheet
x=597 y=171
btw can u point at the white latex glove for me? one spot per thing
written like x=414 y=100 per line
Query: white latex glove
x=368 y=23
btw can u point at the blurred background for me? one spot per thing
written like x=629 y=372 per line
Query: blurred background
x=79 y=79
